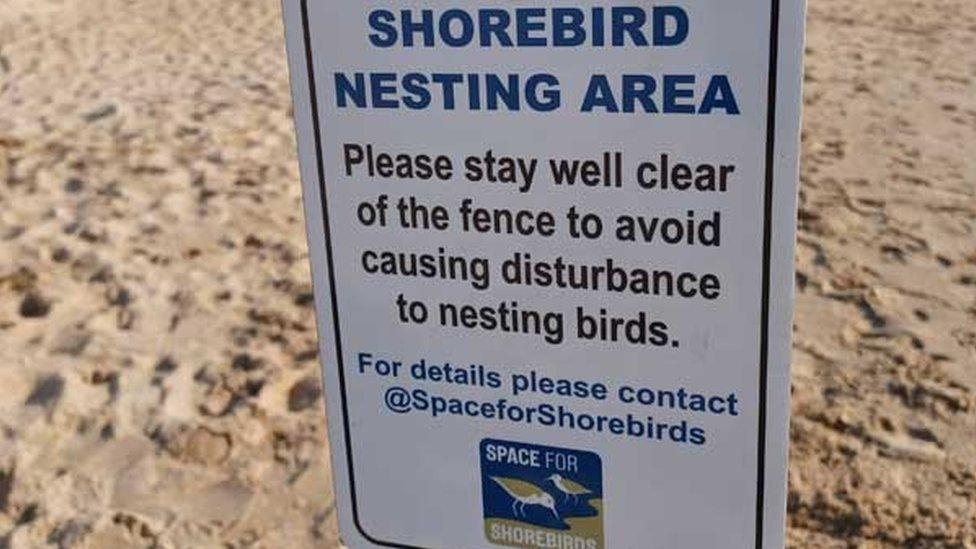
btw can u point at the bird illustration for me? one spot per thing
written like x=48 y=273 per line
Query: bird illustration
x=569 y=488
x=525 y=493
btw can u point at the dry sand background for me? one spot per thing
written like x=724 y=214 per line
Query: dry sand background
x=158 y=378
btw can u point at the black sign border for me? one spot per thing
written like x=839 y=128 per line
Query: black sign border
x=767 y=250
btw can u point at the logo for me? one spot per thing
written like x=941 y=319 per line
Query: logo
x=541 y=497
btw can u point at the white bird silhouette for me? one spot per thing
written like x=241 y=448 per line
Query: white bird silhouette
x=525 y=493
x=569 y=488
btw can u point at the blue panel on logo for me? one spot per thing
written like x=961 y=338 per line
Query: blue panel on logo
x=541 y=496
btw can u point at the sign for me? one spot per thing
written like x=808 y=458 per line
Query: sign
x=552 y=249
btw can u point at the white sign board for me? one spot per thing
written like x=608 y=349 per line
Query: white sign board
x=552 y=247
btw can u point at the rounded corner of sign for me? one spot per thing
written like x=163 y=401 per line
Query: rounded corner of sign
x=374 y=541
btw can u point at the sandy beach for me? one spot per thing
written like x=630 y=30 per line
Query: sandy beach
x=159 y=380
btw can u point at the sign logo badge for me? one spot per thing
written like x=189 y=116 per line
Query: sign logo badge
x=540 y=496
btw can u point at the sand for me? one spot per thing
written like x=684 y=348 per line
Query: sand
x=158 y=373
